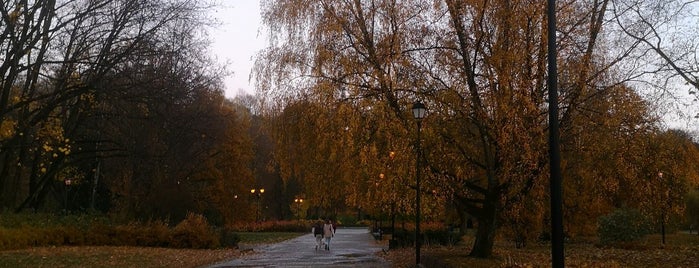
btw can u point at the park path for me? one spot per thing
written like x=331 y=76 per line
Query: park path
x=351 y=247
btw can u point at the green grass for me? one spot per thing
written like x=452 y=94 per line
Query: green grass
x=266 y=237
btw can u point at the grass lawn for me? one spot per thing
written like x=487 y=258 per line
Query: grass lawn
x=681 y=250
x=142 y=257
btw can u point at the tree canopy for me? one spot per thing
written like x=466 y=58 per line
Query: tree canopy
x=480 y=69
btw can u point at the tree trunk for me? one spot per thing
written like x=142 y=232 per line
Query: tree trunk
x=485 y=235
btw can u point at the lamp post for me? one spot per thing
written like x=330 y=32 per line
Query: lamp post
x=235 y=206
x=298 y=202
x=419 y=112
x=662 y=211
x=392 y=242
x=257 y=193
x=67 y=182
x=556 y=175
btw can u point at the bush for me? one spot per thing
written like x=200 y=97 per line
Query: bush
x=441 y=237
x=622 y=225
x=300 y=226
x=26 y=230
x=194 y=232
x=156 y=234
x=405 y=238
x=102 y=234
x=228 y=238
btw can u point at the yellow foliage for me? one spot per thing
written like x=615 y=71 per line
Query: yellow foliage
x=7 y=129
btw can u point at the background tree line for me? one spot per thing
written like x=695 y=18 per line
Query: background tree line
x=120 y=98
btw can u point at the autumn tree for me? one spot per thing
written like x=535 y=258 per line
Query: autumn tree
x=664 y=190
x=308 y=150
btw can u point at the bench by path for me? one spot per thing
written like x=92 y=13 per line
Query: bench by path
x=351 y=247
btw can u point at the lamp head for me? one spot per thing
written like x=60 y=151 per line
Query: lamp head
x=419 y=110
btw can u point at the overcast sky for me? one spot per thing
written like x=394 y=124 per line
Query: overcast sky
x=236 y=41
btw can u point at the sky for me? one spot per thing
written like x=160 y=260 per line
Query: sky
x=236 y=41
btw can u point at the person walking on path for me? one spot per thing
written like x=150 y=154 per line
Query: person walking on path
x=317 y=231
x=353 y=248
x=328 y=233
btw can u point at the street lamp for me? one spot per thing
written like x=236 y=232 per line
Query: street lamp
x=419 y=112
x=392 y=242
x=67 y=182
x=298 y=202
x=258 y=194
x=662 y=210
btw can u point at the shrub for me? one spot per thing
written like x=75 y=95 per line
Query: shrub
x=153 y=234
x=622 y=225
x=102 y=234
x=364 y=223
x=12 y=239
x=228 y=238
x=300 y=226
x=194 y=232
x=441 y=237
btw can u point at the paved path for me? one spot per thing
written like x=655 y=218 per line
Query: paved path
x=351 y=247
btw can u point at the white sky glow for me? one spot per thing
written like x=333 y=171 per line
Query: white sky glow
x=236 y=41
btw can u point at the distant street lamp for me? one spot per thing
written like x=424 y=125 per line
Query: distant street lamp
x=67 y=182
x=419 y=112
x=298 y=202
x=257 y=193
x=663 y=209
x=392 y=242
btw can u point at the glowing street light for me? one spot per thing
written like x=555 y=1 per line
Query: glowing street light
x=258 y=194
x=298 y=202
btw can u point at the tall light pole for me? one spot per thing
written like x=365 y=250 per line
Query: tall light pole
x=298 y=202
x=662 y=209
x=556 y=176
x=67 y=182
x=419 y=112
x=257 y=193
x=392 y=242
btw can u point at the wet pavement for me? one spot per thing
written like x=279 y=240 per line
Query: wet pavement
x=351 y=247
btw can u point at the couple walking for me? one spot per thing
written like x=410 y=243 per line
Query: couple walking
x=323 y=233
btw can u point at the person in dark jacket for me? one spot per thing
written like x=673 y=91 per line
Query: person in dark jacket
x=317 y=231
